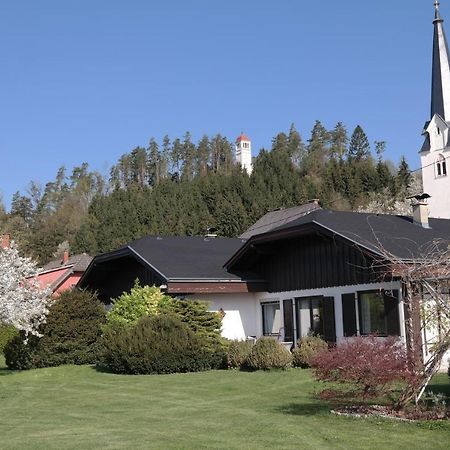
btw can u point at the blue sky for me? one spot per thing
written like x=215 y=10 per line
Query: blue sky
x=90 y=80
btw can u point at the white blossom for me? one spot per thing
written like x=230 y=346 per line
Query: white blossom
x=23 y=303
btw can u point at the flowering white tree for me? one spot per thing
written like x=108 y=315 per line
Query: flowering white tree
x=23 y=303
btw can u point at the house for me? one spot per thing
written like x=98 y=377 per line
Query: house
x=63 y=273
x=304 y=269
x=319 y=271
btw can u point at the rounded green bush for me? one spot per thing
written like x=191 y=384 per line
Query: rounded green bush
x=156 y=344
x=7 y=332
x=307 y=348
x=267 y=353
x=70 y=335
x=237 y=353
x=19 y=353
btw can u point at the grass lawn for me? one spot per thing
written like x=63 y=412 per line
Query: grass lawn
x=77 y=407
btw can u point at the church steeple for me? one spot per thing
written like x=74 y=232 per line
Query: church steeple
x=435 y=152
x=440 y=87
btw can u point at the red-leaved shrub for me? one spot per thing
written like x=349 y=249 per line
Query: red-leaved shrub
x=367 y=363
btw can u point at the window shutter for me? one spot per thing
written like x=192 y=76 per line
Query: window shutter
x=288 y=321
x=391 y=309
x=329 y=327
x=349 y=314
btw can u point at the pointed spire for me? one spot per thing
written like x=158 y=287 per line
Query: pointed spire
x=440 y=88
x=437 y=15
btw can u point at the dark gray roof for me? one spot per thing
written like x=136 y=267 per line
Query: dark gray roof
x=187 y=257
x=78 y=262
x=279 y=218
x=398 y=235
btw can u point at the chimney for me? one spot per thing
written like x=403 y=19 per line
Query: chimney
x=65 y=257
x=210 y=233
x=419 y=205
x=5 y=240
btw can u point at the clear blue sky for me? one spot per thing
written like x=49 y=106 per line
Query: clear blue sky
x=90 y=80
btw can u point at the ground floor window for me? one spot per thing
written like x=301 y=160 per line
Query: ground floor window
x=309 y=316
x=378 y=313
x=271 y=316
x=372 y=314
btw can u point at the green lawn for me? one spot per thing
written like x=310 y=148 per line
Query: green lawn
x=77 y=407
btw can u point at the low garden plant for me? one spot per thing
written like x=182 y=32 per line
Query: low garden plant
x=238 y=353
x=307 y=348
x=155 y=344
x=267 y=354
x=370 y=366
x=144 y=301
x=7 y=332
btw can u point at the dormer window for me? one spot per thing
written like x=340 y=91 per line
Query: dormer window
x=439 y=130
x=441 y=166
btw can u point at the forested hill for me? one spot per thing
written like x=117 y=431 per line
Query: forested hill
x=183 y=188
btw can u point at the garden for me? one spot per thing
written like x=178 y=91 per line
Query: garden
x=154 y=372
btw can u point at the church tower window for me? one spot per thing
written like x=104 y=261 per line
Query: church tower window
x=441 y=166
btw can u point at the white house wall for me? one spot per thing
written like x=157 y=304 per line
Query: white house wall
x=336 y=293
x=242 y=314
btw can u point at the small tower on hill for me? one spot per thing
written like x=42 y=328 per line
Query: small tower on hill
x=244 y=152
x=435 y=151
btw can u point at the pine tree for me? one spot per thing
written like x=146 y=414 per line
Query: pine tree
x=359 y=147
x=338 y=141
x=203 y=151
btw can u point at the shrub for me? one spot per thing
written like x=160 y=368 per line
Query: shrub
x=150 y=301
x=7 y=332
x=267 y=353
x=370 y=364
x=158 y=344
x=237 y=353
x=141 y=301
x=307 y=348
x=196 y=316
x=70 y=335
x=19 y=355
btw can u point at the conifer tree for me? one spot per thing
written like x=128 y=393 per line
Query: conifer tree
x=359 y=147
x=338 y=141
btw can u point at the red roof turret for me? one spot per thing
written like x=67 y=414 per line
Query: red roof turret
x=242 y=137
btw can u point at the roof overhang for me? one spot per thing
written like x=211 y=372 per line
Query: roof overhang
x=215 y=287
x=309 y=228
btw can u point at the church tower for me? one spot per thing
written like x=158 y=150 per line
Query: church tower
x=436 y=148
x=244 y=152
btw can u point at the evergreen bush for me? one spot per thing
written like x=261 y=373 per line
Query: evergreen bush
x=156 y=344
x=307 y=348
x=70 y=335
x=267 y=353
x=7 y=332
x=141 y=301
x=237 y=353
x=19 y=352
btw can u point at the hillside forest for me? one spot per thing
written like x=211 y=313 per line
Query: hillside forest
x=181 y=187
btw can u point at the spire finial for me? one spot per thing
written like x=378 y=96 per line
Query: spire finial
x=436 y=9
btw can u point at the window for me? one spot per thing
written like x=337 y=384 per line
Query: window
x=271 y=316
x=372 y=316
x=441 y=166
x=378 y=313
x=309 y=316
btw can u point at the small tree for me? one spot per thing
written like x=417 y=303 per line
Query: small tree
x=23 y=303
x=368 y=363
x=426 y=285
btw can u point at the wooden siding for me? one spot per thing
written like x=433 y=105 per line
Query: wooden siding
x=111 y=278
x=313 y=262
x=214 y=287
